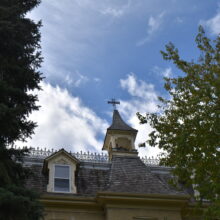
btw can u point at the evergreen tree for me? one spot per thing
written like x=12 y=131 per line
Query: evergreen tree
x=187 y=126
x=20 y=58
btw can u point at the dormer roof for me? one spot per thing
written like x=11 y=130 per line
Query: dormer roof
x=56 y=154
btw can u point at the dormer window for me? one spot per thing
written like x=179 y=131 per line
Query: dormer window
x=62 y=178
x=61 y=169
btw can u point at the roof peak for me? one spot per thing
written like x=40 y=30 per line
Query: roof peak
x=119 y=124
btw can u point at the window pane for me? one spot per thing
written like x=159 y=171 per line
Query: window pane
x=62 y=171
x=61 y=185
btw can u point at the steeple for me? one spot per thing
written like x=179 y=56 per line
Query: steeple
x=120 y=137
x=119 y=124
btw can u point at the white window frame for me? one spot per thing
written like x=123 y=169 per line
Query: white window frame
x=64 y=165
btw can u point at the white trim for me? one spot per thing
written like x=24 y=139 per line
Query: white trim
x=64 y=165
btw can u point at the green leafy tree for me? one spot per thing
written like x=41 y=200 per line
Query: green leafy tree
x=187 y=126
x=20 y=58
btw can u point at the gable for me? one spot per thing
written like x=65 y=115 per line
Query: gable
x=54 y=165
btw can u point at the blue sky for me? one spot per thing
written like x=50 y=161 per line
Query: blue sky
x=97 y=50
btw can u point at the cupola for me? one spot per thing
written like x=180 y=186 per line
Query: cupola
x=120 y=137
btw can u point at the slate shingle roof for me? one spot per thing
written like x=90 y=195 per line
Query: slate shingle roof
x=119 y=124
x=130 y=174
x=123 y=174
x=91 y=181
x=37 y=180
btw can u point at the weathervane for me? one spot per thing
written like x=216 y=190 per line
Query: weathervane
x=114 y=103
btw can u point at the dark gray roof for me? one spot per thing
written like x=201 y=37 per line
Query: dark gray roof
x=122 y=174
x=37 y=180
x=119 y=124
x=130 y=174
x=90 y=181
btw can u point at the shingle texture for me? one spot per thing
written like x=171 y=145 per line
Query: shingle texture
x=91 y=181
x=37 y=180
x=130 y=174
x=122 y=174
x=119 y=124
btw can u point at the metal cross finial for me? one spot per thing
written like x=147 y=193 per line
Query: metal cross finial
x=114 y=103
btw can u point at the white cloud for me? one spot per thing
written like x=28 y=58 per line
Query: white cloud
x=167 y=72
x=143 y=100
x=113 y=12
x=96 y=79
x=213 y=24
x=75 y=79
x=58 y=74
x=116 y=12
x=179 y=20
x=138 y=88
x=154 y=23
x=64 y=121
x=71 y=34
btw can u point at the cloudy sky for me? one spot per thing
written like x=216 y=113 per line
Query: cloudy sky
x=95 y=50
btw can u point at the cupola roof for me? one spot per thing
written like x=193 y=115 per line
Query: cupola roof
x=119 y=124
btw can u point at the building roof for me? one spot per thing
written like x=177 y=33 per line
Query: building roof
x=130 y=174
x=119 y=124
x=123 y=174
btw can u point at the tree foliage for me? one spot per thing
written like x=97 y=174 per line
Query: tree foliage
x=187 y=126
x=20 y=58
x=19 y=61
